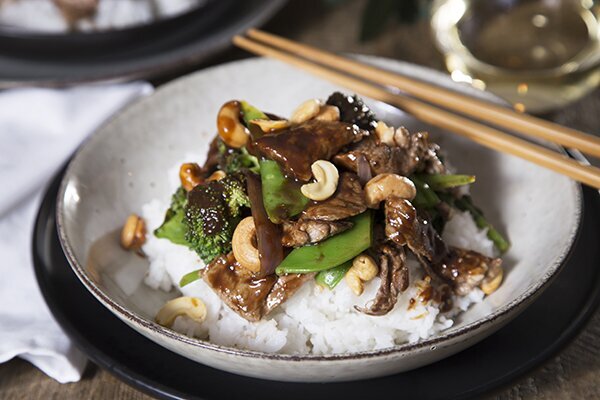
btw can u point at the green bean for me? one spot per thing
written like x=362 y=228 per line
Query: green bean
x=465 y=203
x=189 y=278
x=445 y=181
x=426 y=196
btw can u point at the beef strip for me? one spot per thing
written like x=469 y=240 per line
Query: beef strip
x=413 y=153
x=347 y=201
x=393 y=273
x=250 y=296
x=284 y=288
x=462 y=269
x=304 y=231
x=404 y=227
x=296 y=148
x=467 y=269
x=238 y=288
x=325 y=218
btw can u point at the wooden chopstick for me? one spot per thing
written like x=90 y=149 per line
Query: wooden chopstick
x=475 y=131
x=484 y=111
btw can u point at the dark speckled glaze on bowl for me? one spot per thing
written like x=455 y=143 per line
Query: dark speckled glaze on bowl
x=125 y=164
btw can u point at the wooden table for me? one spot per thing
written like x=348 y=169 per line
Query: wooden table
x=573 y=374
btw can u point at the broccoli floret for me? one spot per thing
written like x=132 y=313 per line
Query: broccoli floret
x=234 y=186
x=212 y=213
x=173 y=227
x=234 y=160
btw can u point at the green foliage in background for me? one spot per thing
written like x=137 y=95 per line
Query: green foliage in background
x=377 y=14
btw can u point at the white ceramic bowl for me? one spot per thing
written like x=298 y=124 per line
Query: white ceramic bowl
x=125 y=164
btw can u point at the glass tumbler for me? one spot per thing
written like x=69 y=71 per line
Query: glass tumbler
x=538 y=54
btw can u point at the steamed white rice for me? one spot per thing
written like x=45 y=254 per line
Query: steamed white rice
x=314 y=320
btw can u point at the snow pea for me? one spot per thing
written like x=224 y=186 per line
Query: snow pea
x=281 y=196
x=333 y=251
x=331 y=277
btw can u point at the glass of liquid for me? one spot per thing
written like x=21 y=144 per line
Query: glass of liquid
x=538 y=54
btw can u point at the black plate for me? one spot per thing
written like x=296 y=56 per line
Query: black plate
x=537 y=334
x=141 y=52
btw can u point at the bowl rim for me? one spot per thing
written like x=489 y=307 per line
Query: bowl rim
x=516 y=305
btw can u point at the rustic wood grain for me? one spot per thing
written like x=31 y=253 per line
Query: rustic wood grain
x=573 y=374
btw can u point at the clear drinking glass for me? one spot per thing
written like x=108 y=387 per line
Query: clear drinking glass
x=537 y=54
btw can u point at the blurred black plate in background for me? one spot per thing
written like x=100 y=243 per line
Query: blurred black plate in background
x=138 y=52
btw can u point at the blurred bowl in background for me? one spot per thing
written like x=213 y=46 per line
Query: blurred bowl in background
x=140 y=52
x=61 y=17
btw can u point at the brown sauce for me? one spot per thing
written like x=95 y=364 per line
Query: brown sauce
x=240 y=289
x=226 y=126
x=411 y=303
x=290 y=194
x=426 y=294
x=228 y=120
x=296 y=148
x=209 y=200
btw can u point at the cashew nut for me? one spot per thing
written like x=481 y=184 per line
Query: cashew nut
x=307 y=110
x=216 y=176
x=328 y=113
x=230 y=128
x=271 y=125
x=190 y=175
x=244 y=250
x=326 y=176
x=401 y=137
x=191 y=307
x=492 y=280
x=133 y=235
x=385 y=133
x=363 y=270
x=385 y=185
x=390 y=136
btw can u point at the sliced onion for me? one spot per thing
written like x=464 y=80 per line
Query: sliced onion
x=363 y=169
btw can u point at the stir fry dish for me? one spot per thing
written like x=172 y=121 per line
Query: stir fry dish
x=329 y=195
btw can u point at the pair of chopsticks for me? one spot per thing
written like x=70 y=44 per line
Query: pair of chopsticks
x=372 y=82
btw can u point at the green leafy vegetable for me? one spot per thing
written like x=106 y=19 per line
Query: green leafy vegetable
x=174 y=228
x=189 y=278
x=281 y=197
x=212 y=213
x=331 y=277
x=443 y=181
x=333 y=251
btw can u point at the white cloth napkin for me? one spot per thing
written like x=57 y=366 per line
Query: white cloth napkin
x=39 y=129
